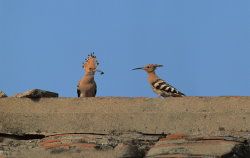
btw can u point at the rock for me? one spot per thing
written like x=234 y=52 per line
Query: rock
x=200 y=146
x=35 y=93
x=127 y=151
x=2 y=94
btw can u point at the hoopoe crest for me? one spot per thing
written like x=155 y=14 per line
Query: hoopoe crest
x=87 y=85
x=159 y=86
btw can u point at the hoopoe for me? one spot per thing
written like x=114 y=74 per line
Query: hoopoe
x=86 y=87
x=159 y=86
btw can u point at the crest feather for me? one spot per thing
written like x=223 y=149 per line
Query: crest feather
x=90 y=62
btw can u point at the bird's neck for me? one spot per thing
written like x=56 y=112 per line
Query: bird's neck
x=88 y=76
x=152 y=76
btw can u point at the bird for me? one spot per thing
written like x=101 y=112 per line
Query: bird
x=159 y=86
x=86 y=87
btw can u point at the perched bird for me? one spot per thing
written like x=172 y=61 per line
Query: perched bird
x=159 y=86
x=86 y=87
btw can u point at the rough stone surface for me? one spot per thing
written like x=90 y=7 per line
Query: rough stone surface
x=2 y=94
x=188 y=115
x=35 y=93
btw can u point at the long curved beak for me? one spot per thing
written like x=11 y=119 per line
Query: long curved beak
x=138 y=68
x=159 y=65
x=101 y=72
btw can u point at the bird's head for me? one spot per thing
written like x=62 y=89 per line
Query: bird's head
x=91 y=64
x=149 y=68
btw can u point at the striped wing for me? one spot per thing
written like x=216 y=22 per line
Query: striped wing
x=78 y=91
x=161 y=85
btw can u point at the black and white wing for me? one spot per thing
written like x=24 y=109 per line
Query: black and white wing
x=165 y=89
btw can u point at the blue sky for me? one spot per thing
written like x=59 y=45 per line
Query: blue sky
x=204 y=45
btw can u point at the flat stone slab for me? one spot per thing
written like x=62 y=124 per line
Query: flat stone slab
x=36 y=93
x=187 y=115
